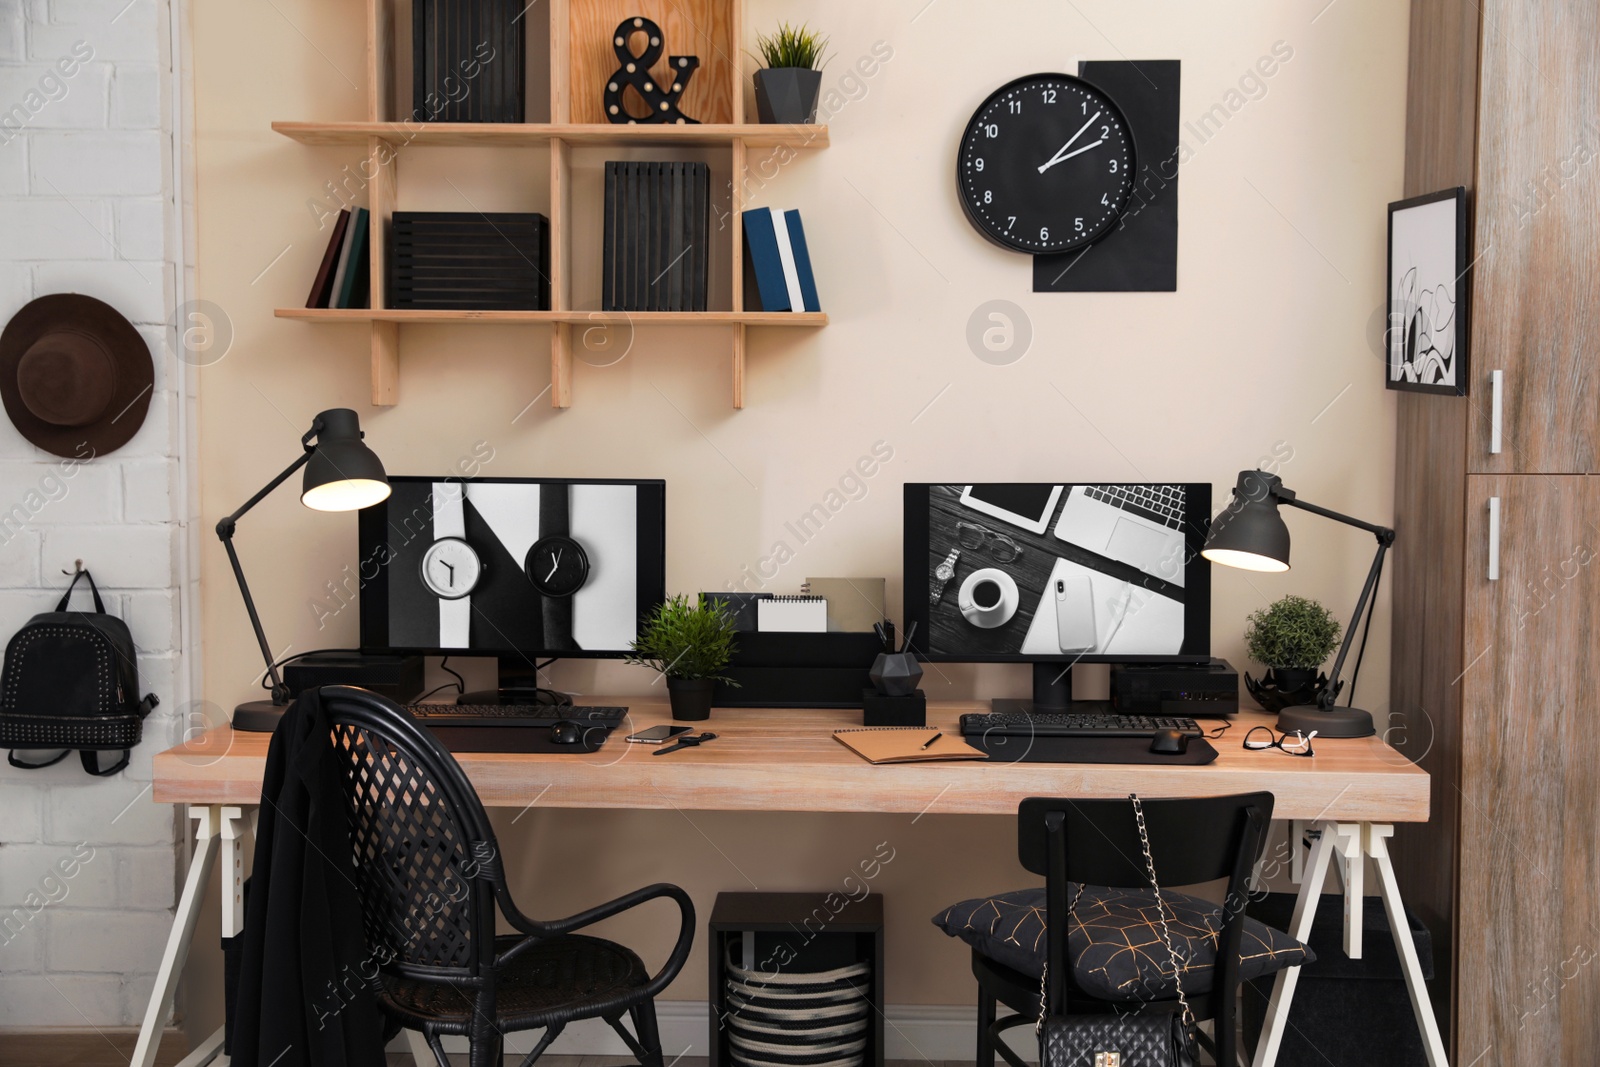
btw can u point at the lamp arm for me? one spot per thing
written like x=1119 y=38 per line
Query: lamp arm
x=1325 y=699
x=1384 y=535
x=225 y=532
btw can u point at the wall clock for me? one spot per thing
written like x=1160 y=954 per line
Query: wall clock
x=1046 y=165
x=557 y=566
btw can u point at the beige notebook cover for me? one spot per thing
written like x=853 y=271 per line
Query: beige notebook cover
x=903 y=744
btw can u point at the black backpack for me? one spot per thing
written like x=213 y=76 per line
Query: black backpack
x=71 y=681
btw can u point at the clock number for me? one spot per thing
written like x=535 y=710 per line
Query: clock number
x=1044 y=233
x=1105 y=132
x=1103 y=201
x=1049 y=96
x=991 y=130
x=1113 y=166
x=978 y=164
x=1016 y=107
x=1086 y=107
x=1011 y=220
x=1078 y=224
x=988 y=196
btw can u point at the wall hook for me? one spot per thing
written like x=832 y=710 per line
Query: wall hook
x=77 y=569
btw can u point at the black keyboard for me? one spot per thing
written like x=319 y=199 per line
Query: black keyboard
x=1071 y=724
x=515 y=715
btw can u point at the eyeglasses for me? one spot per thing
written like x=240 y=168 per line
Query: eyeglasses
x=1296 y=744
x=972 y=536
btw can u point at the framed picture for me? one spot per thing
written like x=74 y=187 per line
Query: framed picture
x=1428 y=288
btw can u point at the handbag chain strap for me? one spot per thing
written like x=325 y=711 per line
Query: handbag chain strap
x=1161 y=908
x=1044 y=975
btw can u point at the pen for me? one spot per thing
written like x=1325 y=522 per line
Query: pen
x=931 y=740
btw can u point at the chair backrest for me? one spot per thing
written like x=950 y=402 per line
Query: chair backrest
x=424 y=854
x=1192 y=840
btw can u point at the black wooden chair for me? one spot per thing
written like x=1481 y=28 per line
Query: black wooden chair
x=429 y=875
x=1096 y=842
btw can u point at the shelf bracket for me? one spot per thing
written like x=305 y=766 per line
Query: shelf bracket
x=738 y=366
x=561 y=365
x=385 y=364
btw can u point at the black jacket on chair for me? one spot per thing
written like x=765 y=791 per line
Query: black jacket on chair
x=306 y=984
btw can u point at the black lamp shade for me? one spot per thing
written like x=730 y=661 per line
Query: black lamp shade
x=1250 y=534
x=343 y=474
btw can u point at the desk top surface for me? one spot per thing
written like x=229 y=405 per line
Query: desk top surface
x=786 y=759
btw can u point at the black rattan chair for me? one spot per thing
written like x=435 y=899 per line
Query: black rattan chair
x=428 y=870
x=1096 y=842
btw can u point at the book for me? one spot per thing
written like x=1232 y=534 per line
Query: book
x=770 y=290
x=608 y=252
x=792 y=614
x=905 y=744
x=355 y=252
x=343 y=266
x=323 y=285
x=802 y=261
x=791 y=276
x=855 y=605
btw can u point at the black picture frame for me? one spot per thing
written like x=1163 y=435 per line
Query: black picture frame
x=1427 y=344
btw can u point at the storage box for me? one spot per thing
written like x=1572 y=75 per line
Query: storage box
x=1346 y=1013
x=879 y=710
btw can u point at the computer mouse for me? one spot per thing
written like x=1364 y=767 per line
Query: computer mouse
x=565 y=733
x=1170 y=742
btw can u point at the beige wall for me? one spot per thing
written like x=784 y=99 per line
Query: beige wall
x=1264 y=351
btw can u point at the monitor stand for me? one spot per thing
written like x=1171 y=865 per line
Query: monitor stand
x=1052 y=691
x=519 y=684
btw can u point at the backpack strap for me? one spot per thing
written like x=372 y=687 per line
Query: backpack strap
x=11 y=758
x=91 y=763
x=99 y=606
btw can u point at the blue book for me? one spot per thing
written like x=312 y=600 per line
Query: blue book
x=761 y=256
x=802 y=260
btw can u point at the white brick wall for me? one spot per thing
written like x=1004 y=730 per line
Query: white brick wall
x=86 y=204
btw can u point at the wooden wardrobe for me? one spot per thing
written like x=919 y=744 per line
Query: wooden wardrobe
x=1494 y=679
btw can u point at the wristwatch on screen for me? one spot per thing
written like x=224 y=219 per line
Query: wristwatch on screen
x=942 y=575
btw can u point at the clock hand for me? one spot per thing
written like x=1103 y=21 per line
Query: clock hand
x=1059 y=156
x=452 y=571
x=555 y=561
x=1080 y=151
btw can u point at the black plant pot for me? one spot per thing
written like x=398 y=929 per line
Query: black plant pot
x=1287 y=687
x=787 y=95
x=691 y=698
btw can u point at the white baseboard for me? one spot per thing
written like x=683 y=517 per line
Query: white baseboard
x=910 y=1032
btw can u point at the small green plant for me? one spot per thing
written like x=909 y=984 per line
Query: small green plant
x=789 y=46
x=1294 y=633
x=686 y=640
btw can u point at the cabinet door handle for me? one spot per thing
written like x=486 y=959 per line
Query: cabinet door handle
x=1494 y=539
x=1495 y=381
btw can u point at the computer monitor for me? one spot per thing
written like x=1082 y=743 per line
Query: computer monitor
x=521 y=569
x=1055 y=574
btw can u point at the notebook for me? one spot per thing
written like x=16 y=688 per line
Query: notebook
x=903 y=744
x=792 y=614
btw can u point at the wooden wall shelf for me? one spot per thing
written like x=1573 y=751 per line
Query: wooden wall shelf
x=579 y=47
x=532 y=134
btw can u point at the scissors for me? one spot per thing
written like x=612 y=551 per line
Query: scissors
x=686 y=741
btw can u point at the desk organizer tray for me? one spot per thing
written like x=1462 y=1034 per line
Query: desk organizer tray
x=799 y=670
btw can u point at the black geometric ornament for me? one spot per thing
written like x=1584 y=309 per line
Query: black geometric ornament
x=634 y=70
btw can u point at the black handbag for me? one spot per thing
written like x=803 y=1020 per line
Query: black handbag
x=1145 y=1039
x=71 y=681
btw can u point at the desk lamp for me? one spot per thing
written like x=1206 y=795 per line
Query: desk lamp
x=342 y=474
x=1251 y=535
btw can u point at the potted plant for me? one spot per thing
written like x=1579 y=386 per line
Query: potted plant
x=791 y=76
x=1292 y=638
x=690 y=643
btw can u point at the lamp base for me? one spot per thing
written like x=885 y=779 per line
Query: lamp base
x=258 y=716
x=1334 y=722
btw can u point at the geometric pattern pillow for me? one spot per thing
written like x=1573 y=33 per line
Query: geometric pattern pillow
x=1114 y=940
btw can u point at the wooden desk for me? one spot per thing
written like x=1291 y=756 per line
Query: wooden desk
x=1343 y=800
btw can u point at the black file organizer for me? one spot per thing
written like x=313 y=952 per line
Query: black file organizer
x=800 y=670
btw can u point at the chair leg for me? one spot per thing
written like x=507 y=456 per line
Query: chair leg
x=986 y=1010
x=644 y=1025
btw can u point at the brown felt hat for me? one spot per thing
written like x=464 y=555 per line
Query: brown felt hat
x=75 y=375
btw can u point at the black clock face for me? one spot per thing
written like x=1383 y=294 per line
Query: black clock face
x=1046 y=164
x=557 y=566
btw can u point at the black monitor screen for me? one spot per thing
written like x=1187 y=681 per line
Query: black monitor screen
x=1043 y=572
x=492 y=566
